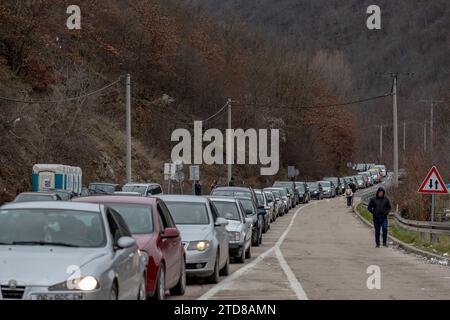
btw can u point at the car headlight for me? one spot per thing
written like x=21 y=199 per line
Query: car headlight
x=144 y=256
x=199 y=245
x=87 y=283
x=234 y=236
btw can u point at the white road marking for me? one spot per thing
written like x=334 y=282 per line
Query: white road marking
x=293 y=281
x=295 y=284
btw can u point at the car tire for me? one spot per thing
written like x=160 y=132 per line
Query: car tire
x=254 y=238
x=142 y=293
x=248 y=252
x=114 y=294
x=260 y=239
x=180 y=287
x=214 y=278
x=241 y=258
x=160 y=291
x=225 y=271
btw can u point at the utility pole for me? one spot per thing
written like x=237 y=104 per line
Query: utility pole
x=395 y=124
x=230 y=148
x=432 y=103
x=381 y=143
x=404 y=137
x=128 y=130
x=425 y=136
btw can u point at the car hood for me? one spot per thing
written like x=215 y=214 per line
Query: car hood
x=42 y=266
x=195 y=232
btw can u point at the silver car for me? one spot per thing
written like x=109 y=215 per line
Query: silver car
x=239 y=227
x=68 y=251
x=204 y=235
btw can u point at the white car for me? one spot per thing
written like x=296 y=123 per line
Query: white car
x=145 y=189
x=68 y=251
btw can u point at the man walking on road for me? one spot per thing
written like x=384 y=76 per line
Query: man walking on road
x=380 y=207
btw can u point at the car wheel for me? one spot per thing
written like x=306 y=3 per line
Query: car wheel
x=226 y=269
x=241 y=258
x=142 y=294
x=114 y=294
x=180 y=288
x=248 y=252
x=254 y=238
x=160 y=292
x=214 y=278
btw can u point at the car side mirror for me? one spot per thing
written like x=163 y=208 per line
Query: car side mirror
x=262 y=207
x=125 y=242
x=221 y=222
x=248 y=212
x=170 y=233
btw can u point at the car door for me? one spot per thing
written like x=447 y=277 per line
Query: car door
x=127 y=260
x=248 y=226
x=170 y=247
x=222 y=235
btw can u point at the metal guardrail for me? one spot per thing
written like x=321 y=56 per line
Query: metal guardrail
x=413 y=225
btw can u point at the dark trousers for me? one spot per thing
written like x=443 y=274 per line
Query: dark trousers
x=349 y=201
x=380 y=223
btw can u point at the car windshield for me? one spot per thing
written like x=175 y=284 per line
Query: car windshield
x=359 y=178
x=325 y=184
x=313 y=185
x=268 y=196
x=227 y=210
x=333 y=179
x=300 y=187
x=138 y=217
x=58 y=227
x=248 y=205
x=106 y=188
x=232 y=193
x=33 y=197
x=131 y=188
x=63 y=195
x=188 y=213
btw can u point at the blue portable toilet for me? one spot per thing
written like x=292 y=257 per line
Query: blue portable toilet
x=56 y=176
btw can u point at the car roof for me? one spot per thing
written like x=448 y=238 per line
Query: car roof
x=142 y=184
x=221 y=198
x=233 y=188
x=116 y=199
x=44 y=193
x=105 y=183
x=182 y=198
x=65 y=205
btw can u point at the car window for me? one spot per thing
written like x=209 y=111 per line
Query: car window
x=269 y=196
x=34 y=197
x=69 y=227
x=167 y=216
x=124 y=231
x=248 y=205
x=227 y=210
x=138 y=217
x=260 y=198
x=133 y=188
x=188 y=212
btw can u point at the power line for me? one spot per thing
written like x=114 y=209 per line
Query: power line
x=89 y=94
x=313 y=106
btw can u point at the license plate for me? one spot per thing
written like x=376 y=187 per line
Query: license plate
x=57 y=296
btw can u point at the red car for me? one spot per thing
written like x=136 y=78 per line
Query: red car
x=158 y=238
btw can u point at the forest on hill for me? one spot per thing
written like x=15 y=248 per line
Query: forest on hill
x=170 y=50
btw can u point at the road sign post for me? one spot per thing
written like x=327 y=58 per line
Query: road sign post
x=433 y=184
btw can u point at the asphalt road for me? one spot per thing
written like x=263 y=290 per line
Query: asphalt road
x=322 y=251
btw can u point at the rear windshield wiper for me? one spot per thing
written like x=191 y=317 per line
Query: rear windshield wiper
x=45 y=243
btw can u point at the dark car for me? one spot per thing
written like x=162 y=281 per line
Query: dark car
x=251 y=211
x=37 y=196
x=263 y=199
x=316 y=190
x=303 y=191
x=103 y=188
x=338 y=184
x=292 y=190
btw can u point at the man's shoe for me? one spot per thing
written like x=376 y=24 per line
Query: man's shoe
x=377 y=246
x=385 y=245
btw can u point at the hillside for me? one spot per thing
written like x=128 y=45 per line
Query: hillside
x=414 y=38
x=169 y=50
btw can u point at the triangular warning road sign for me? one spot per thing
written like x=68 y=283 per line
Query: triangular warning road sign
x=433 y=183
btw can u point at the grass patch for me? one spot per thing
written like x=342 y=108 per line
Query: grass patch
x=412 y=237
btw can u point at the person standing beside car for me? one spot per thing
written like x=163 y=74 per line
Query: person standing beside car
x=380 y=206
x=198 y=188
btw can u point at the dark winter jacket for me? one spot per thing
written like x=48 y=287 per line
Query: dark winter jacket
x=379 y=206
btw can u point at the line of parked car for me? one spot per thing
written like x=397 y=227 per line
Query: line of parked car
x=131 y=242
x=134 y=242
